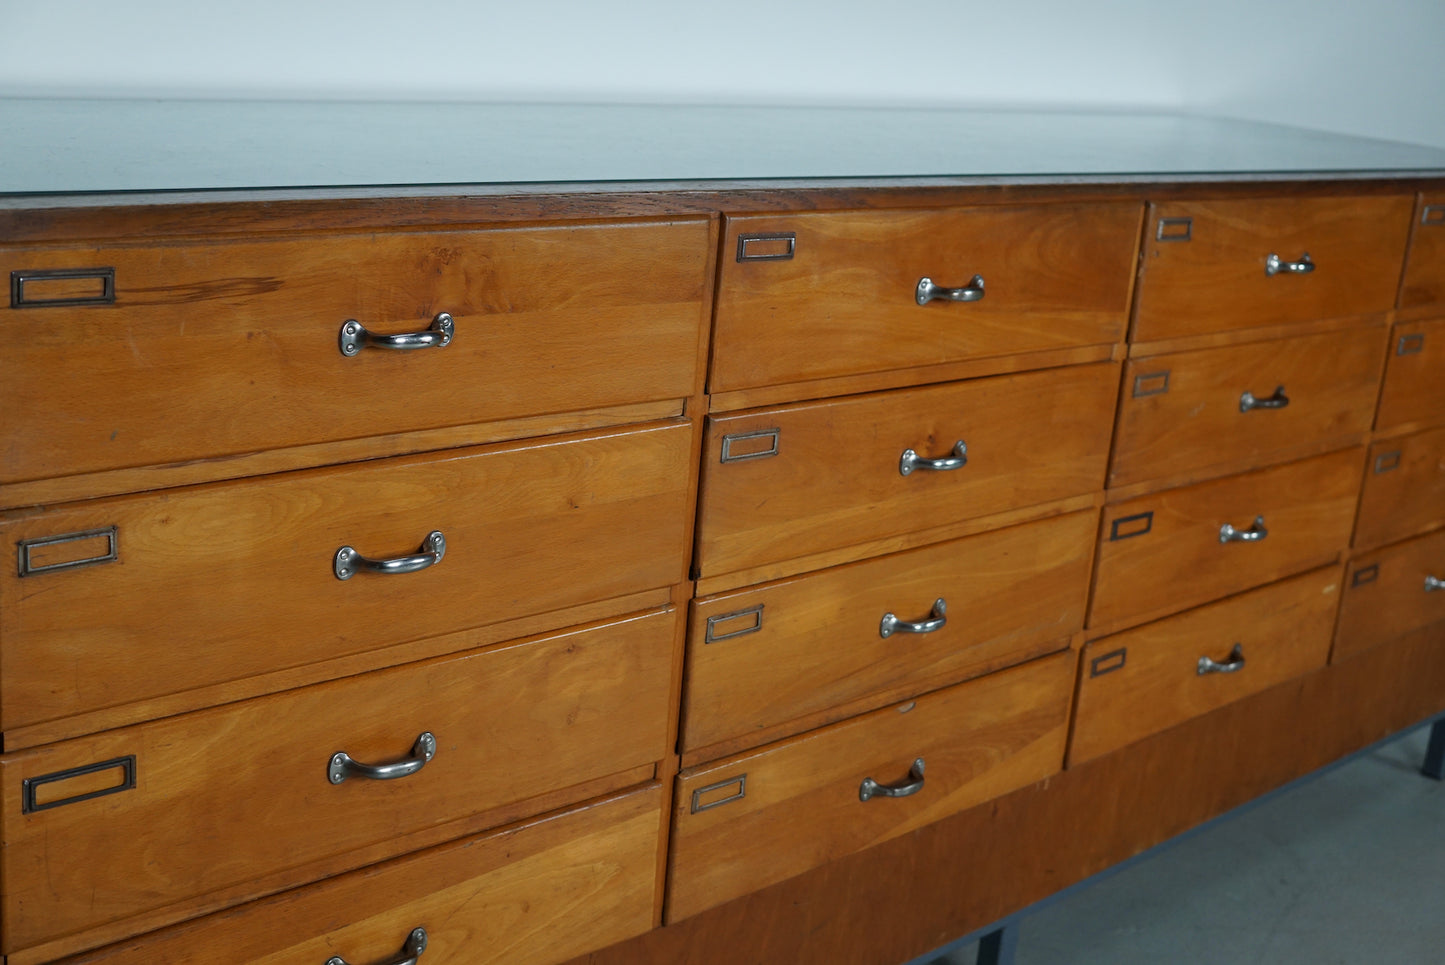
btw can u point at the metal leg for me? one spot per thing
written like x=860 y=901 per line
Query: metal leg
x=1434 y=765
x=998 y=947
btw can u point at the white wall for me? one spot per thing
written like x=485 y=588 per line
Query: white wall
x=1372 y=67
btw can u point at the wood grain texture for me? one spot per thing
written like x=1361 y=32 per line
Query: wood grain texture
x=1414 y=389
x=1216 y=280
x=1179 y=415
x=1056 y=276
x=538 y=892
x=241 y=337
x=183 y=598
x=1404 y=493
x=836 y=480
x=979 y=740
x=1424 y=280
x=235 y=793
x=1283 y=630
x=1011 y=594
x=1308 y=509
x=1385 y=595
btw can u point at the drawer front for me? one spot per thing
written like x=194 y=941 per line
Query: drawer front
x=219 y=583
x=760 y=818
x=1424 y=282
x=1230 y=407
x=841 y=297
x=778 y=653
x=245 y=339
x=225 y=796
x=835 y=477
x=1146 y=680
x=541 y=893
x=1168 y=551
x=1414 y=376
x=1390 y=592
x=1404 y=489
x=1205 y=263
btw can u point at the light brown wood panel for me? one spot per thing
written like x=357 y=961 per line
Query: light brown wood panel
x=1387 y=594
x=1216 y=281
x=1181 y=415
x=538 y=892
x=801 y=801
x=1055 y=276
x=231 y=794
x=1140 y=682
x=222 y=582
x=242 y=337
x=1404 y=492
x=1162 y=553
x=1414 y=389
x=835 y=479
x=1011 y=595
x=1424 y=281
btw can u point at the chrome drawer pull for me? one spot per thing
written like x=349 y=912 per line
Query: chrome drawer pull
x=927 y=291
x=871 y=788
x=911 y=460
x=1274 y=265
x=1433 y=583
x=410 y=952
x=354 y=337
x=890 y=624
x=1234 y=662
x=341 y=766
x=347 y=562
x=1255 y=533
x=1279 y=400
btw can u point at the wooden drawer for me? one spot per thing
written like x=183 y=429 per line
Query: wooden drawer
x=1414 y=389
x=1146 y=680
x=812 y=295
x=1404 y=488
x=1166 y=552
x=1204 y=266
x=227 y=796
x=1424 y=281
x=1188 y=413
x=243 y=338
x=807 y=478
x=796 y=649
x=759 y=818
x=1388 y=593
x=540 y=892
x=222 y=582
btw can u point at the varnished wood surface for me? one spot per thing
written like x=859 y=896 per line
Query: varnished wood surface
x=1216 y=280
x=229 y=795
x=1308 y=509
x=1424 y=281
x=539 y=892
x=1404 y=491
x=1414 y=390
x=1179 y=414
x=1145 y=680
x=1056 y=276
x=1031 y=438
x=801 y=808
x=1385 y=594
x=218 y=583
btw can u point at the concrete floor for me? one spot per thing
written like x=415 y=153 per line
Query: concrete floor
x=1348 y=868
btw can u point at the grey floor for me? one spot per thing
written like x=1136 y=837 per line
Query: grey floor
x=1347 y=868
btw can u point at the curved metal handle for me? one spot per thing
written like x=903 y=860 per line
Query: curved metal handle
x=1433 y=583
x=354 y=337
x=341 y=765
x=410 y=952
x=911 y=460
x=1232 y=663
x=347 y=562
x=871 y=788
x=1255 y=533
x=890 y=624
x=1274 y=265
x=1249 y=401
x=927 y=291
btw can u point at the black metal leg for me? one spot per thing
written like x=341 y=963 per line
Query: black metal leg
x=998 y=947
x=1434 y=765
